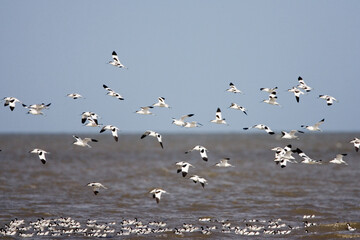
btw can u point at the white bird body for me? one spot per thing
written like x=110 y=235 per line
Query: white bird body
x=112 y=93
x=272 y=100
x=11 y=102
x=161 y=103
x=224 y=163
x=297 y=92
x=34 y=111
x=183 y=167
x=290 y=135
x=307 y=159
x=314 y=127
x=96 y=187
x=86 y=115
x=113 y=129
x=218 y=118
x=303 y=85
x=145 y=110
x=156 y=193
x=233 y=89
x=356 y=142
x=339 y=159
x=116 y=62
x=261 y=127
x=329 y=99
x=91 y=123
x=349 y=228
x=41 y=153
x=153 y=134
x=238 y=107
x=74 y=95
x=192 y=124
x=269 y=90
x=201 y=180
x=202 y=151
x=283 y=155
x=181 y=122
x=83 y=142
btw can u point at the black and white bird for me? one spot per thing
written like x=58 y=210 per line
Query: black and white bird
x=272 y=99
x=91 y=122
x=41 y=153
x=224 y=162
x=297 y=92
x=356 y=142
x=349 y=228
x=339 y=159
x=202 y=151
x=153 y=134
x=269 y=90
x=306 y=158
x=329 y=99
x=218 y=118
x=181 y=122
x=145 y=110
x=192 y=124
x=83 y=142
x=116 y=62
x=284 y=155
x=314 y=127
x=86 y=115
x=183 y=167
x=201 y=180
x=11 y=102
x=113 y=129
x=37 y=106
x=291 y=134
x=238 y=107
x=74 y=95
x=112 y=93
x=34 y=111
x=261 y=127
x=96 y=187
x=233 y=88
x=303 y=85
x=156 y=193
x=161 y=103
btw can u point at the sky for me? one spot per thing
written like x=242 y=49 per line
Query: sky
x=185 y=51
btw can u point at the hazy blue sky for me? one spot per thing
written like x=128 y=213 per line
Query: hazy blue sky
x=185 y=51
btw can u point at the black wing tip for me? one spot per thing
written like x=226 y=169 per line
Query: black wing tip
x=205 y=159
x=96 y=192
x=94 y=140
x=271 y=133
x=184 y=174
x=43 y=161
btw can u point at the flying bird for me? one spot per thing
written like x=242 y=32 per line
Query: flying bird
x=83 y=142
x=272 y=99
x=303 y=85
x=269 y=90
x=113 y=129
x=96 y=187
x=74 y=95
x=11 y=102
x=238 y=107
x=41 y=153
x=156 y=193
x=233 y=88
x=314 y=127
x=224 y=163
x=116 y=62
x=339 y=159
x=202 y=151
x=183 y=167
x=306 y=158
x=153 y=134
x=112 y=93
x=356 y=142
x=261 y=127
x=218 y=118
x=145 y=110
x=192 y=124
x=291 y=134
x=201 y=180
x=161 y=103
x=297 y=92
x=329 y=99
x=181 y=121
x=92 y=122
x=86 y=115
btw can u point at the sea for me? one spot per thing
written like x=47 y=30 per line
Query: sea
x=254 y=199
